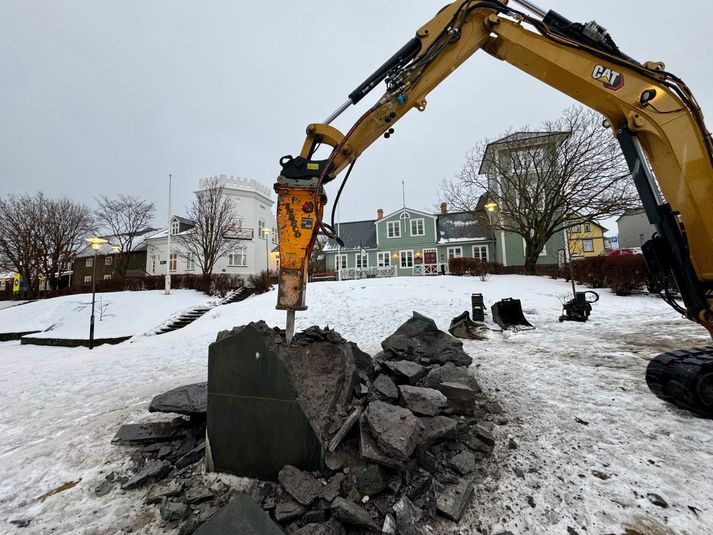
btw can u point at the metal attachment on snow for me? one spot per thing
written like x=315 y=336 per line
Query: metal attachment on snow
x=579 y=308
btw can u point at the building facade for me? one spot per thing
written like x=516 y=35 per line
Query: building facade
x=586 y=239
x=634 y=229
x=253 y=239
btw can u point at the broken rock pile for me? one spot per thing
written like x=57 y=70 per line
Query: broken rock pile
x=400 y=447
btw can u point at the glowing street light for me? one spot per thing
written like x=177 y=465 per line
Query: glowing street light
x=95 y=242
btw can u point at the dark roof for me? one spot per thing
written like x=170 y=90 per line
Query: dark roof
x=185 y=220
x=461 y=225
x=355 y=234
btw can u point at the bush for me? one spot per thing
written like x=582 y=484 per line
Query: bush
x=262 y=282
x=622 y=274
x=473 y=267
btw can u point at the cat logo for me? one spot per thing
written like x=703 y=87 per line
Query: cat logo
x=610 y=78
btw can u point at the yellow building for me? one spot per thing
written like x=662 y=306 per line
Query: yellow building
x=586 y=239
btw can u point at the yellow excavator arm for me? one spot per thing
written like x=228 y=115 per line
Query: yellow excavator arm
x=651 y=112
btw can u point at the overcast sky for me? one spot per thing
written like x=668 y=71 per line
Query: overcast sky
x=109 y=97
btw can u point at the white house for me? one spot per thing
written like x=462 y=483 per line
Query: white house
x=254 y=241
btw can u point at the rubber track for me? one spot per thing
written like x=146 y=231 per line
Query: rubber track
x=676 y=377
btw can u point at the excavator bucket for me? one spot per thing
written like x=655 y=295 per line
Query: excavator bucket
x=464 y=327
x=508 y=314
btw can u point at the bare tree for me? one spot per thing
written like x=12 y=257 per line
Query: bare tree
x=124 y=217
x=544 y=181
x=65 y=224
x=213 y=234
x=21 y=230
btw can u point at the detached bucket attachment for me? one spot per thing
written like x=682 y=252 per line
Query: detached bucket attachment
x=508 y=314
x=463 y=327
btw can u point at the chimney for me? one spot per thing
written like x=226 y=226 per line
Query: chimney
x=444 y=208
x=379 y=214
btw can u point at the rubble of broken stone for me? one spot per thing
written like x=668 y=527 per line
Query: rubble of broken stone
x=402 y=449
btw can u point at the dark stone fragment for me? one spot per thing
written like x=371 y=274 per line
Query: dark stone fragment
x=346 y=426
x=173 y=510
x=350 y=513
x=240 y=515
x=385 y=388
x=194 y=455
x=361 y=390
x=21 y=523
x=331 y=527
x=452 y=499
x=103 y=488
x=191 y=400
x=287 y=510
x=531 y=501
x=302 y=486
x=484 y=434
x=423 y=401
x=315 y=517
x=418 y=484
x=449 y=373
x=407 y=514
x=420 y=340
x=395 y=429
x=580 y=421
x=370 y=450
x=493 y=407
x=464 y=462
x=479 y=446
x=333 y=488
x=133 y=434
x=512 y=445
x=657 y=500
x=335 y=460
x=158 y=492
x=370 y=479
x=461 y=397
x=363 y=361
x=436 y=428
x=198 y=495
x=405 y=371
x=152 y=471
x=571 y=531
x=389 y=527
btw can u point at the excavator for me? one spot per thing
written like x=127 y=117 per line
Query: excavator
x=652 y=113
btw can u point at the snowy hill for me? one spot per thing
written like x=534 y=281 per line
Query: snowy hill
x=61 y=407
x=116 y=313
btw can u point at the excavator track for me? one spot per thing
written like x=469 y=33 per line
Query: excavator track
x=684 y=378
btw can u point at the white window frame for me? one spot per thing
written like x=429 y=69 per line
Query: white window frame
x=383 y=259
x=405 y=255
x=238 y=256
x=190 y=264
x=87 y=279
x=107 y=260
x=422 y=223
x=261 y=228
x=89 y=262
x=341 y=261
x=453 y=250
x=588 y=242
x=172 y=261
x=361 y=260
x=479 y=255
x=274 y=235
x=576 y=229
x=175 y=227
x=107 y=277
x=390 y=227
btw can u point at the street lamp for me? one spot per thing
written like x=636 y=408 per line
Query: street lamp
x=167 y=280
x=95 y=242
x=116 y=249
x=266 y=232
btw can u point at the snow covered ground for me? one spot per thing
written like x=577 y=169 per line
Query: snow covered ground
x=61 y=407
x=116 y=313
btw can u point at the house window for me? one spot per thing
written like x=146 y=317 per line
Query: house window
x=406 y=259
x=587 y=227
x=190 y=264
x=576 y=229
x=89 y=262
x=417 y=227
x=340 y=261
x=107 y=260
x=261 y=228
x=172 y=262
x=153 y=264
x=588 y=246
x=393 y=229
x=480 y=252
x=238 y=257
x=383 y=259
x=87 y=280
x=455 y=252
x=175 y=227
x=362 y=260
x=274 y=235
x=107 y=277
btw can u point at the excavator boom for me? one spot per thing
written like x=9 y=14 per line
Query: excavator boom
x=651 y=112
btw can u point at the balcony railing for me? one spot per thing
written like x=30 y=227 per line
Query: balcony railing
x=367 y=273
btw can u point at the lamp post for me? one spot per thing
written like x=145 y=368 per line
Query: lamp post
x=492 y=207
x=266 y=232
x=95 y=242
x=116 y=249
x=167 y=289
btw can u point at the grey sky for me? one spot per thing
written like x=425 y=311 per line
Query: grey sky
x=108 y=97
